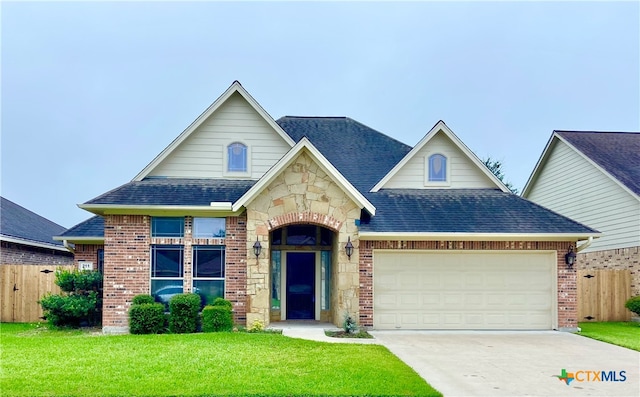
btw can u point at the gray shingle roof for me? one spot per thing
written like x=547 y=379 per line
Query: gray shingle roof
x=19 y=222
x=175 y=191
x=463 y=211
x=92 y=227
x=617 y=152
x=362 y=154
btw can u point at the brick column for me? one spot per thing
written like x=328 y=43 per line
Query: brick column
x=236 y=266
x=126 y=268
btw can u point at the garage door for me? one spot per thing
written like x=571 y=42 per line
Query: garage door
x=464 y=290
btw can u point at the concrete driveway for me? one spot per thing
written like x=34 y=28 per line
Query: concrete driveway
x=476 y=363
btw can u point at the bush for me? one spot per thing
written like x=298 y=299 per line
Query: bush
x=216 y=319
x=183 y=317
x=142 y=299
x=633 y=304
x=81 y=303
x=223 y=302
x=147 y=318
x=71 y=310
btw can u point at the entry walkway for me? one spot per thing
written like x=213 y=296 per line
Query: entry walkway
x=314 y=330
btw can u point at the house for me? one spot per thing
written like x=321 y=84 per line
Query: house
x=594 y=178
x=28 y=258
x=318 y=217
x=26 y=238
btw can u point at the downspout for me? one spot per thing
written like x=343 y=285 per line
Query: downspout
x=585 y=245
x=67 y=246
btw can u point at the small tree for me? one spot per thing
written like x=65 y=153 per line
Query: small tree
x=81 y=301
x=495 y=166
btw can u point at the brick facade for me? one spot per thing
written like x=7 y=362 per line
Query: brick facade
x=566 y=278
x=127 y=263
x=126 y=267
x=20 y=254
x=236 y=267
x=87 y=252
x=614 y=259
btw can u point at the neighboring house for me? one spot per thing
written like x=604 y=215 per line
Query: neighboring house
x=27 y=238
x=312 y=218
x=594 y=178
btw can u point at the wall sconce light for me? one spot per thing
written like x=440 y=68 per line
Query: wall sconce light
x=570 y=257
x=348 y=249
x=257 y=248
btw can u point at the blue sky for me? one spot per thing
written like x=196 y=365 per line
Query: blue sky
x=92 y=92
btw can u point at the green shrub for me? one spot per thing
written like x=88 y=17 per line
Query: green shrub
x=81 y=301
x=147 y=318
x=257 y=326
x=183 y=317
x=72 y=310
x=142 y=299
x=633 y=304
x=76 y=281
x=349 y=325
x=216 y=319
x=223 y=302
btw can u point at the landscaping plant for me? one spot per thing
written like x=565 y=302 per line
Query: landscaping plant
x=633 y=304
x=80 y=303
x=183 y=313
x=146 y=316
x=217 y=317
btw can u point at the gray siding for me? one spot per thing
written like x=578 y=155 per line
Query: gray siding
x=463 y=173
x=572 y=186
x=203 y=153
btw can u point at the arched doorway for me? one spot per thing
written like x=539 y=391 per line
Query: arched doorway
x=301 y=272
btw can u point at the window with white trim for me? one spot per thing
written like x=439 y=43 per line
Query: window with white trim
x=167 y=271
x=208 y=272
x=237 y=157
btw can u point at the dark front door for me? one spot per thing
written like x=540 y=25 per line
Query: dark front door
x=301 y=281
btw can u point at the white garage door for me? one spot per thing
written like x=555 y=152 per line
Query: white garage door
x=464 y=290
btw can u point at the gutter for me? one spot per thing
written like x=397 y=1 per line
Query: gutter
x=67 y=246
x=585 y=245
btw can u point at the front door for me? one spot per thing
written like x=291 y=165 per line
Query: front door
x=301 y=285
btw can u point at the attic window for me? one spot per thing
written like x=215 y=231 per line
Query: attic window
x=236 y=157
x=437 y=168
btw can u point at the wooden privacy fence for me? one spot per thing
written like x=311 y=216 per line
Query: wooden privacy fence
x=602 y=294
x=21 y=287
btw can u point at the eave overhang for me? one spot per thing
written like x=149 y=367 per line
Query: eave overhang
x=213 y=210
x=80 y=239
x=38 y=244
x=422 y=236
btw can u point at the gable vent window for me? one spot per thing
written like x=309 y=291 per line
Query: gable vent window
x=437 y=168
x=237 y=157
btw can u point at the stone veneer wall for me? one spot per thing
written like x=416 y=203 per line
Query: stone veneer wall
x=302 y=194
x=126 y=267
x=567 y=287
x=614 y=259
x=19 y=254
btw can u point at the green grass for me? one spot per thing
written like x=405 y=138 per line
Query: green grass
x=625 y=334
x=37 y=361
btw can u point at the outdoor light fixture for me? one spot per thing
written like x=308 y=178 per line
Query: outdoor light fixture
x=348 y=249
x=570 y=257
x=257 y=248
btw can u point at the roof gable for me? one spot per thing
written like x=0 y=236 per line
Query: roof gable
x=18 y=224
x=199 y=151
x=615 y=154
x=305 y=146
x=464 y=167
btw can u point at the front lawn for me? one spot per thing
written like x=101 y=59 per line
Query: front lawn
x=625 y=334
x=37 y=361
